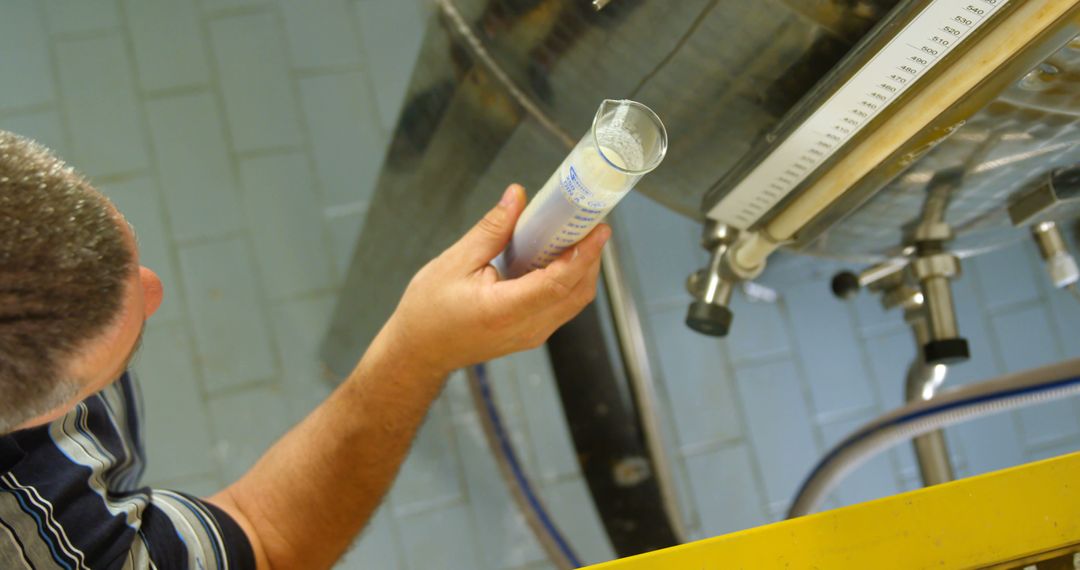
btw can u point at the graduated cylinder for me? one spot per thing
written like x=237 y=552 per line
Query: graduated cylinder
x=626 y=141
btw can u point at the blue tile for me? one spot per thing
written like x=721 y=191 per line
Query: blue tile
x=1058 y=450
x=68 y=16
x=571 y=508
x=506 y=540
x=779 y=427
x=725 y=490
x=1064 y=311
x=660 y=247
x=1006 y=276
x=695 y=376
x=1026 y=340
x=25 y=46
x=285 y=224
x=45 y=127
x=139 y=201
x=246 y=424
x=825 y=342
x=348 y=144
x=871 y=480
x=890 y=357
x=441 y=539
x=758 y=331
x=193 y=164
x=391 y=35
x=253 y=71
x=168 y=43
x=320 y=33
x=102 y=109
x=176 y=420
x=230 y=327
x=989 y=443
x=299 y=327
x=429 y=478
x=872 y=316
x=974 y=326
x=377 y=547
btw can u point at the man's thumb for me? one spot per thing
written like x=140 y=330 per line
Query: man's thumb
x=491 y=234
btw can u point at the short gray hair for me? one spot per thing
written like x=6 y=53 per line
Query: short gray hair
x=64 y=263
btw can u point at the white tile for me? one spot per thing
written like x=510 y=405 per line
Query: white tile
x=1007 y=276
x=696 y=377
x=176 y=426
x=429 y=478
x=724 y=490
x=760 y=329
x=139 y=201
x=441 y=539
x=193 y=162
x=506 y=540
x=320 y=33
x=25 y=46
x=45 y=127
x=168 y=41
x=345 y=136
x=102 y=109
x=544 y=416
x=201 y=485
x=286 y=225
x=344 y=232
x=377 y=546
x=825 y=341
x=214 y=6
x=230 y=326
x=246 y=424
x=67 y=16
x=1026 y=340
x=571 y=508
x=779 y=427
x=299 y=327
x=391 y=34
x=871 y=480
x=253 y=71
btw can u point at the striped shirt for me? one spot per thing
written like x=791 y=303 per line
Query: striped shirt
x=70 y=499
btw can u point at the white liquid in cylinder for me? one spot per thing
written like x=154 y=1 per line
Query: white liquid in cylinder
x=572 y=202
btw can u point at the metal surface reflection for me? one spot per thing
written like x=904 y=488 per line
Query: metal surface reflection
x=721 y=73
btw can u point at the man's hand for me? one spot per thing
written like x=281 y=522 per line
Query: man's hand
x=457 y=312
x=311 y=493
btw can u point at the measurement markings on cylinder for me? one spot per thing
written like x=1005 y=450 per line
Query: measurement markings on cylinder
x=907 y=57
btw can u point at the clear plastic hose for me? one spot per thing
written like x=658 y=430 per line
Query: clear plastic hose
x=960 y=405
x=536 y=515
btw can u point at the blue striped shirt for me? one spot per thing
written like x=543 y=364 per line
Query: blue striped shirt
x=70 y=499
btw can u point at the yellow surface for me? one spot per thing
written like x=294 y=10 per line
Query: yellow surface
x=970 y=523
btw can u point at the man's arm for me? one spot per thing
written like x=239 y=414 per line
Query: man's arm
x=307 y=498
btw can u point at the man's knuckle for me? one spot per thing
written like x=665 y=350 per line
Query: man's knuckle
x=555 y=288
x=491 y=223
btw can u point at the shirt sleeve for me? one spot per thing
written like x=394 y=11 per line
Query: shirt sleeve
x=180 y=531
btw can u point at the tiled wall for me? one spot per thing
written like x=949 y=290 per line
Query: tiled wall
x=243 y=138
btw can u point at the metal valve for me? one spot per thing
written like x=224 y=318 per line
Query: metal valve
x=709 y=313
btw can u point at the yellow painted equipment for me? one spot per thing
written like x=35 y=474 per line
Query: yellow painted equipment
x=1006 y=519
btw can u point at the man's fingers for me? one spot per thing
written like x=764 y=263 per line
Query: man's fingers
x=491 y=234
x=556 y=281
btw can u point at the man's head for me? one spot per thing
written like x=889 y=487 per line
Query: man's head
x=72 y=295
